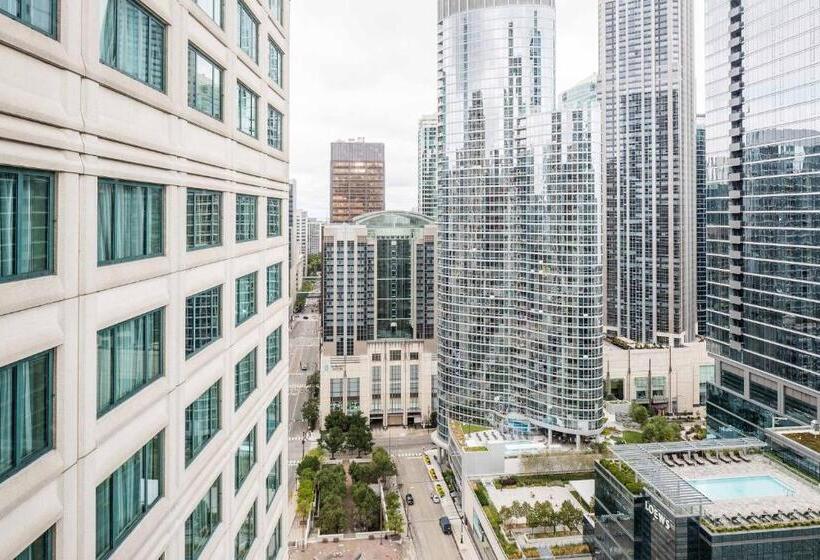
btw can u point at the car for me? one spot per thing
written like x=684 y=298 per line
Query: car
x=435 y=498
x=409 y=499
x=305 y=317
x=304 y=367
x=444 y=523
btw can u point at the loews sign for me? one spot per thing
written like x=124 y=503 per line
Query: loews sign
x=658 y=516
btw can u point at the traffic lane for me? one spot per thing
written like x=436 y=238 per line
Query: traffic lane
x=428 y=539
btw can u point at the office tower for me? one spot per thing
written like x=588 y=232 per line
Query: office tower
x=314 y=236
x=700 y=186
x=143 y=322
x=582 y=94
x=356 y=179
x=291 y=221
x=763 y=228
x=378 y=297
x=519 y=268
x=427 y=139
x=647 y=98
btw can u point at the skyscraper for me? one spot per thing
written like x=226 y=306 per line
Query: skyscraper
x=427 y=139
x=519 y=256
x=700 y=186
x=763 y=229
x=356 y=179
x=647 y=98
x=143 y=312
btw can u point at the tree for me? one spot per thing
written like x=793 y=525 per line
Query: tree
x=306 y=493
x=383 y=464
x=659 y=428
x=433 y=422
x=332 y=516
x=332 y=440
x=311 y=462
x=569 y=515
x=310 y=412
x=337 y=419
x=314 y=264
x=533 y=516
x=368 y=507
x=360 y=438
x=394 y=520
x=312 y=384
x=638 y=413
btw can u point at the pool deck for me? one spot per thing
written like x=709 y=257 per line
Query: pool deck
x=806 y=496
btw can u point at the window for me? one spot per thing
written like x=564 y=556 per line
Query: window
x=245 y=217
x=375 y=357
x=204 y=219
x=129 y=221
x=132 y=40
x=203 y=521
x=129 y=357
x=245 y=378
x=275 y=543
x=246 y=535
x=395 y=355
x=248 y=31
x=26 y=223
x=274 y=217
x=247 y=102
x=275 y=58
x=204 y=84
x=213 y=8
x=26 y=411
x=127 y=495
x=202 y=421
x=244 y=459
x=274 y=282
x=41 y=549
x=274 y=350
x=203 y=317
x=274 y=479
x=39 y=14
x=245 y=297
x=274 y=128
x=274 y=415
x=414 y=355
x=276 y=7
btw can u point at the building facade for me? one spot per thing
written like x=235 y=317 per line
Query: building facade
x=314 y=237
x=700 y=185
x=647 y=92
x=356 y=179
x=427 y=142
x=763 y=228
x=519 y=279
x=143 y=315
x=378 y=341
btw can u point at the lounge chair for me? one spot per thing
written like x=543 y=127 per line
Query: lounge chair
x=668 y=461
x=698 y=458
x=740 y=457
x=688 y=460
x=711 y=458
x=724 y=458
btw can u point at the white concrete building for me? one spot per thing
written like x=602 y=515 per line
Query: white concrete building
x=143 y=312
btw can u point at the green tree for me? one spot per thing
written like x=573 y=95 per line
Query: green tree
x=332 y=516
x=638 y=413
x=306 y=493
x=311 y=462
x=333 y=440
x=383 y=464
x=310 y=412
x=312 y=384
x=360 y=438
x=337 y=419
x=569 y=515
x=394 y=519
x=368 y=507
x=533 y=516
x=659 y=428
x=314 y=264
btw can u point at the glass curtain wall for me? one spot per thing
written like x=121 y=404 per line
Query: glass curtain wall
x=393 y=291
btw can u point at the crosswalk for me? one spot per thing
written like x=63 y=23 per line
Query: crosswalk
x=407 y=454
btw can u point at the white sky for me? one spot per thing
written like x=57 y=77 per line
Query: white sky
x=368 y=68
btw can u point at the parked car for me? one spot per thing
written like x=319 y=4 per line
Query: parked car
x=435 y=498
x=444 y=523
x=304 y=367
x=305 y=317
x=409 y=499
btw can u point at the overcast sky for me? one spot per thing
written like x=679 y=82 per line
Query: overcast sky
x=367 y=68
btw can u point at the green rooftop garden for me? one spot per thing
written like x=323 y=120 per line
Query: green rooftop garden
x=624 y=475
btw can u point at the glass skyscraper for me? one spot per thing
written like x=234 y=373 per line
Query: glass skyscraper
x=763 y=157
x=700 y=187
x=647 y=96
x=519 y=257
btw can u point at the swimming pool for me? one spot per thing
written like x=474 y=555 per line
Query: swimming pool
x=737 y=487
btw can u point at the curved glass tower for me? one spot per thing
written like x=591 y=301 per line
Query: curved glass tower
x=519 y=255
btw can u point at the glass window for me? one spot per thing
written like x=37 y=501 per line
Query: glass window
x=39 y=14
x=42 y=548
x=127 y=495
x=203 y=317
x=248 y=31
x=275 y=543
x=246 y=535
x=274 y=479
x=245 y=459
x=245 y=378
x=203 y=521
x=204 y=84
x=275 y=59
x=274 y=282
x=247 y=102
x=276 y=8
x=26 y=411
x=26 y=223
x=213 y=8
x=129 y=221
x=129 y=357
x=245 y=217
x=274 y=217
x=274 y=415
x=274 y=349
x=275 y=119
x=204 y=219
x=245 y=297
x=132 y=40
x=202 y=421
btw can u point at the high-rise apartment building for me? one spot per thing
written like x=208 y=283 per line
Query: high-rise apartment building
x=582 y=94
x=378 y=300
x=519 y=276
x=700 y=221
x=647 y=91
x=763 y=227
x=314 y=236
x=143 y=315
x=427 y=150
x=356 y=179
